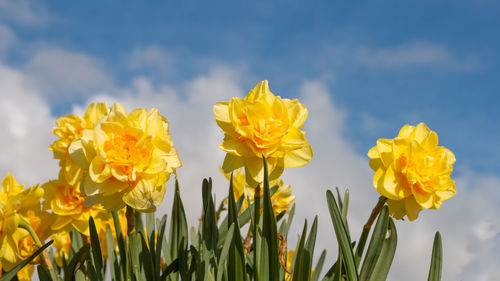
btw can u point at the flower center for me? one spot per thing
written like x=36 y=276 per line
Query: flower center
x=127 y=149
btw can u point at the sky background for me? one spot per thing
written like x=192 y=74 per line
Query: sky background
x=363 y=69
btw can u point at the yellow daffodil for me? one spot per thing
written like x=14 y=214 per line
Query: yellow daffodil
x=67 y=205
x=70 y=128
x=62 y=244
x=289 y=261
x=20 y=205
x=262 y=124
x=128 y=159
x=281 y=200
x=412 y=171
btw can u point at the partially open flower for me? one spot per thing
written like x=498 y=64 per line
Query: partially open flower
x=129 y=159
x=262 y=124
x=67 y=205
x=412 y=171
x=18 y=204
x=70 y=128
x=281 y=200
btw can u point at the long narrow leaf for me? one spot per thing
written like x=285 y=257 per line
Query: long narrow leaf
x=236 y=261
x=12 y=273
x=384 y=261
x=375 y=246
x=342 y=237
x=437 y=259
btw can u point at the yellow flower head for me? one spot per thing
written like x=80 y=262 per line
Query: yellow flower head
x=281 y=200
x=16 y=204
x=70 y=128
x=262 y=124
x=67 y=205
x=129 y=159
x=412 y=171
x=62 y=244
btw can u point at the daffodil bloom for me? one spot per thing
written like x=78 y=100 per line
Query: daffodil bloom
x=18 y=204
x=70 y=128
x=412 y=171
x=62 y=244
x=128 y=159
x=262 y=124
x=67 y=205
x=289 y=261
x=281 y=200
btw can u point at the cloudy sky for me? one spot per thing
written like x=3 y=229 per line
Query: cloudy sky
x=363 y=69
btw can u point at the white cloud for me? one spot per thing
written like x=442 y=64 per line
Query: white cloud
x=25 y=12
x=414 y=54
x=64 y=76
x=25 y=123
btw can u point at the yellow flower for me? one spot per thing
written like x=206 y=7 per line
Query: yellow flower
x=281 y=200
x=129 y=159
x=262 y=124
x=412 y=171
x=62 y=244
x=289 y=261
x=18 y=204
x=70 y=128
x=67 y=205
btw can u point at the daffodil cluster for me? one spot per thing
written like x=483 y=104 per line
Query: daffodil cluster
x=20 y=206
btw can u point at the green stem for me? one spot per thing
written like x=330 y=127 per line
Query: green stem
x=256 y=250
x=45 y=261
x=24 y=224
x=366 y=229
x=130 y=219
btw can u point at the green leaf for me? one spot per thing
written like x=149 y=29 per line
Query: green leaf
x=298 y=264
x=269 y=232
x=96 y=249
x=384 y=261
x=172 y=267
x=236 y=261
x=437 y=259
x=76 y=262
x=209 y=226
x=309 y=248
x=178 y=235
x=122 y=247
x=342 y=237
x=375 y=246
x=43 y=275
x=319 y=266
x=12 y=273
x=224 y=253
x=114 y=267
x=76 y=242
x=147 y=258
x=159 y=245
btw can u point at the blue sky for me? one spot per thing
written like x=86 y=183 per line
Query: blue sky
x=363 y=68
x=388 y=63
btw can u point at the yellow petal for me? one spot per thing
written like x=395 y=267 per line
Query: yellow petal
x=384 y=147
x=140 y=198
x=297 y=112
x=98 y=170
x=412 y=208
x=298 y=157
x=231 y=163
x=373 y=153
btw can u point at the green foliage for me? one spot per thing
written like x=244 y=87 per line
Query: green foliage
x=218 y=250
